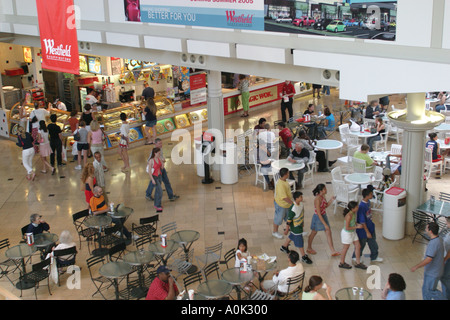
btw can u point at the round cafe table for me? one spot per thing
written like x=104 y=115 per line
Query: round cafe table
x=121 y=214
x=186 y=238
x=347 y=294
x=138 y=259
x=263 y=269
x=214 y=289
x=43 y=240
x=163 y=254
x=442 y=144
x=359 y=179
x=379 y=156
x=20 y=252
x=98 y=222
x=363 y=135
x=284 y=163
x=328 y=145
x=237 y=279
x=114 y=271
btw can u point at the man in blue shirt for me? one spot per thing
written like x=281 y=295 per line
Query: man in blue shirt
x=367 y=234
x=148 y=92
x=433 y=264
x=37 y=225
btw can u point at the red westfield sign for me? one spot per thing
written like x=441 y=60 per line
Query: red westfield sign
x=58 y=32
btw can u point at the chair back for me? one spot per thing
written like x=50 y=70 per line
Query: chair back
x=211 y=268
x=420 y=221
x=378 y=173
x=396 y=149
x=359 y=165
x=336 y=174
x=4 y=244
x=149 y=220
x=81 y=214
x=93 y=261
x=66 y=257
x=191 y=279
x=444 y=196
x=113 y=229
x=229 y=255
x=41 y=265
x=115 y=253
x=141 y=241
x=344 y=129
x=428 y=155
x=171 y=226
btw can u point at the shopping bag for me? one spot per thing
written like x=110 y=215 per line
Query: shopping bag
x=75 y=149
x=64 y=154
x=53 y=271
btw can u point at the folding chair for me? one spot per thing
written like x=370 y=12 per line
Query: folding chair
x=8 y=266
x=146 y=227
x=65 y=258
x=38 y=273
x=293 y=282
x=420 y=221
x=212 y=254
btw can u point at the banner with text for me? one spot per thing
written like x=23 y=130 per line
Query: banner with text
x=59 y=41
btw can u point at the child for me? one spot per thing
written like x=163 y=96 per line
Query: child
x=124 y=142
x=241 y=252
x=348 y=236
x=367 y=233
x=295 y=222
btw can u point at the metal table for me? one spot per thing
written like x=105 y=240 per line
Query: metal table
x=43 y=240
x=328 y=145
x=121 y=214
x=186 y=238
x=20 y=252
x=237 y=279
x=440 y=208
x=139 y=259
x=114 y=271
x=262 y=272
x=347 y=294
x=98 y=222
x=214 y=289
x=163 y=254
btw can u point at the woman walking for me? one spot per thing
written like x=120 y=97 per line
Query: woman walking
x=320 y=221
x=150 y=121
x=154 y=169
x=95 y=140
x=44 y=147
x=349 y=236
x=25 y=141
x=245 y=93
x=82 y=145
x=88 y=182
x=124 y=142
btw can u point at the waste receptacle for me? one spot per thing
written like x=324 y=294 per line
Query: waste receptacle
x=228 y=163
x=394 y=213
x=198 y=157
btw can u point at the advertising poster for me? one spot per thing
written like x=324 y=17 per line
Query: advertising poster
x=95 y=65
x=198 y=88
x=337 y=18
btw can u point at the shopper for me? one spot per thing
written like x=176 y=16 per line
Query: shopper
x=44 y=147
x=86 y=116
x=394 y=288
x=294 y=227
x=37 y=224
x=88 y=181
x=328 y=125
x=124 y=142
x=82 y=145
x=320 y=220
x=362 y=154
x=445 y=280
x=25 y=141
x=285 y=134
x=381 y=128
x=148 y=92
x=38 y=114
x=326 y=90
x=311 y=291
x=367 y=234
x=316 y=87
x=349 y=236
x=372 y=110
x=73 y=122
x=444 y=101
x=435 y=148
x=433 y=264
x=154 y=169
x=287 y=99
x=298 y=156
x=23 y=115
x=260 y=125
x=95 y=139
x=245 y=93
x=99 y=171
x=282 y=202
x=150 y=121
x=56 y=141
x=91 y=98
x=165 y=177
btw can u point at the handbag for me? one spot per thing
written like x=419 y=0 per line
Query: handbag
x=76 y=136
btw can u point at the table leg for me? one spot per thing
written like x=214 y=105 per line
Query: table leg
x=326 y=161
x=116 y=287
x=140 y=291
x=100 y=252
x=186 y=249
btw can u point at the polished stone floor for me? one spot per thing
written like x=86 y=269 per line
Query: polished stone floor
x=221 y=213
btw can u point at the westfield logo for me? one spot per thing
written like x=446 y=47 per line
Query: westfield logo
x=241 y=19
x=60 y=50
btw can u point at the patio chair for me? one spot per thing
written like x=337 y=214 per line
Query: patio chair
x=420 y=221
x=86 y=233
x=343 y=194
x=8 y=266
x=444 y=196
x=228 y=256
x=94 y=264
x=40 y=271
x=210 y=269
x=65 y=258
x=182 y=263
x=116 y=252
x=191 y=279
x=212 y=254
x=430 y=165
x=297 y=284
x=146 y=227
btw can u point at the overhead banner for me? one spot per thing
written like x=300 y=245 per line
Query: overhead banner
x=59 y=42
x=360 y=19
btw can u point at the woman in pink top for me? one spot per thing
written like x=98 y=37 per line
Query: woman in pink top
x=319 y=221
x=95 y=140
x=154 y=169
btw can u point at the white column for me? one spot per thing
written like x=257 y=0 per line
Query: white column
x=216 y=118
x=413 y=158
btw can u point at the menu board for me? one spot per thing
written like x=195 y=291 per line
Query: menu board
x=27 y=56
x=95 y=65
x=83 y=64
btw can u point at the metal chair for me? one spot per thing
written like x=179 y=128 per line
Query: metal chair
x=40 y=271
x=211 y=268
x=111 y=236
x=191 y=279
x=146 y=227
x=8 y=266
x=142 y=241
x=171 y=226
x=86 y=233
x=116 y=252
x=261 y=295
x=444 y=196
x=65 y=258
x=182 y=264
x=293 y=282
x=228 y=256
x=212 y=254
x=420 y=221
x=98 y=281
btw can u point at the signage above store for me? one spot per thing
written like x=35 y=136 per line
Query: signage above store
x=58 y=33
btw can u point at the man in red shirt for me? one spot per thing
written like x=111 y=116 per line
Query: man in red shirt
x=163 y=286
x=287 y=98
x=285 y=134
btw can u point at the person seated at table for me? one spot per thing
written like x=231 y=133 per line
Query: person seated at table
x=65 y=242
x=263 y=158
x=98 y=205
x=163 y=286
x=372 y=110
x=444 y=101
x=435 y=147
x=267 y=137
x=285 y=134
x=309 y=110
x=394 y=288
x=363 y=155
x=280 y=278
x=299 y=155
x=381 y=128
x=261 y=124
x=308 y=144
x=328 y=123
x=311 y=291
x=312 y=125
x=37 y=224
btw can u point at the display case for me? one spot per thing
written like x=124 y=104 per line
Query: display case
x=111 y=118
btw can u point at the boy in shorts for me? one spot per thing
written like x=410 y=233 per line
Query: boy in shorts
x=295 y=223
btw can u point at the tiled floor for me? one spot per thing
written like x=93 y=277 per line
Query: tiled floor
x=246 y=211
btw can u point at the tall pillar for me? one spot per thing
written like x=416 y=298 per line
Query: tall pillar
x=216 y=118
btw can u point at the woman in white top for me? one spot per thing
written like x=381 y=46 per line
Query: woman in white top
x=37 y=115
x=65 y=242
x=124 y=142
x=44 y=147
x=311 y=290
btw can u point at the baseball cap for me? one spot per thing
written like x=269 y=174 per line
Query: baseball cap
x=162 y=269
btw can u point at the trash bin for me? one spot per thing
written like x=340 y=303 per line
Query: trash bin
x=394 y=213
x=228 y=163
x=198 y=157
